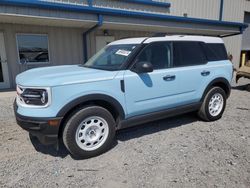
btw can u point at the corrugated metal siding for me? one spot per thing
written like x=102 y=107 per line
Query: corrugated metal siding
x=246 y=35
x=196 y=8
x=234 y=11
x=118 y=34
x=75 y=2
x=233 y=45
x=65 y=46
x=118 y=4
x=123 y=5
x=45 y=13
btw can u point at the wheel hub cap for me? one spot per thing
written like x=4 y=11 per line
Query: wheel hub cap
x=216 y=104
x=92 y=133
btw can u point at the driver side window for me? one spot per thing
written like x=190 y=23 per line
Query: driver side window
x=158 y=54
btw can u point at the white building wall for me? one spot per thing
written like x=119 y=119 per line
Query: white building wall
x=118 y=34
x=234 y=11
x=125 y=5
x=208 y=9
x=119 y=4
x=246 y=35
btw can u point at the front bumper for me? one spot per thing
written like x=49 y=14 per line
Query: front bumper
x=39 y=127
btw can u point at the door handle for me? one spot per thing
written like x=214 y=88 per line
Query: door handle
x=169 y=78
x=205 y=73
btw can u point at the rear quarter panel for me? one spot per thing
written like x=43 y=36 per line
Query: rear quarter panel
x=218 y=69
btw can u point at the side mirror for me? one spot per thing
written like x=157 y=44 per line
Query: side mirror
x=143 y=67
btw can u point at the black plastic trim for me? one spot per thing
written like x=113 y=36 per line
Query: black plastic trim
x=218 y=81
x=130 y=60
x=89 y=98
x=39 y=127
x=122 y=86
x=158 y=115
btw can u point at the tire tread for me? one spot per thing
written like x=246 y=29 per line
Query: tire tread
x=202 y=113
x=71 y=125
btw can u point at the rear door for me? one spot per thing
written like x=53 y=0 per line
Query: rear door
x=190 y=65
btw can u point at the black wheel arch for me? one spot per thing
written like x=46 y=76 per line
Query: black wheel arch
x=219 y=82
x=101 y=99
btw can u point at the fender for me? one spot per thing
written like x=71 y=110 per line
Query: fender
x=218 y=81
x=92 y=97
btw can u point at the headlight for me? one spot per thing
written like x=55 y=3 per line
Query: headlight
x=33 y=97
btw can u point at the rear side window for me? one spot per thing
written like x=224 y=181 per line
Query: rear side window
x=188 y=54
x=215 y=52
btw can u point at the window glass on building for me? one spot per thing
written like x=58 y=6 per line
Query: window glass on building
x=33 y=48
x=159 y=54
x=188 y=54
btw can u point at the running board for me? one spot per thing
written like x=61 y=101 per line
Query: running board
x=145 y=118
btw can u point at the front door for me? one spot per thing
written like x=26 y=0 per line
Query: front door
x=155 y=91
x=4 y=73
x=102 y=41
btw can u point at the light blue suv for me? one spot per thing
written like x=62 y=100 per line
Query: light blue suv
x=129 y=82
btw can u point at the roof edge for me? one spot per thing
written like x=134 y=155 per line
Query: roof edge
x=119 y=12
x=150 y=2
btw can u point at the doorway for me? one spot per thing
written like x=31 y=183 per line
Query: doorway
x=4 y=72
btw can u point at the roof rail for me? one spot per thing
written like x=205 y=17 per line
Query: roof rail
x=190 y=34
x=180 y=34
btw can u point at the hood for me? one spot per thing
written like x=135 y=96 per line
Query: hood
x=62 y=75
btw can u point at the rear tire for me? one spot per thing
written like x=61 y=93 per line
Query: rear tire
x=89 y=132
x=213 y=105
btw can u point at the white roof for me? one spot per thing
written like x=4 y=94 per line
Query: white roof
x=168 y=38
x=128 y=41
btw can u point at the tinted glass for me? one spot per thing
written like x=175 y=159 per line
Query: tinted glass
x=188 y=54
x=215 y=52
x=32 y=48
x=111 y=57
x=159 y=54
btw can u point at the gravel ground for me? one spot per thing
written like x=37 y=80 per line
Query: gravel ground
x=177 y=152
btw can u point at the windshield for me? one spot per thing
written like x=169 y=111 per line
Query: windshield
x=111 y=57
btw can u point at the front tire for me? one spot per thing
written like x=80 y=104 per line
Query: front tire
x=213 y=105
x=89 y=132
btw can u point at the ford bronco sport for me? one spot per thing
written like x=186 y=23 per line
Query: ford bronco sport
x=129 y=82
